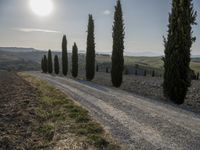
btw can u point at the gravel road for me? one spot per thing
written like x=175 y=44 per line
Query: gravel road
x=138 y=122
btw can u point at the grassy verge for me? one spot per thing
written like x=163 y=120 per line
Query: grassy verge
x=57 y=114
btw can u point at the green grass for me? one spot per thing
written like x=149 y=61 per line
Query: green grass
x=196 y=66
x=147 y=62
x=155 y=62
x=56 y=110
x=46 y=131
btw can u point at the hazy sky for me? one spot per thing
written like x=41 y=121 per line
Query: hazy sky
x=145 y=20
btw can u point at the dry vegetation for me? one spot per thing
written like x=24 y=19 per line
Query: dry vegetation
x=61 y=117
x=35 y=115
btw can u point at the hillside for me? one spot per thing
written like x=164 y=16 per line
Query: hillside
x=147 y=62
x=29 y=59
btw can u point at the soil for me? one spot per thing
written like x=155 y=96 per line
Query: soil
x=17 y=100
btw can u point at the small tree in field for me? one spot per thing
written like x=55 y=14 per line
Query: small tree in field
x=64 y=56
x=118 y=47
x=90 y=50
x=49 y=64
x=74 y=60
x=56 y=65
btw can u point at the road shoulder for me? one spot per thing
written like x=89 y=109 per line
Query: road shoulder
x=66 y=124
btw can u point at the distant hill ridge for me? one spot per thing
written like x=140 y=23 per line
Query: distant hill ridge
x=17 y=49
x=30 y=58
x=126 y=53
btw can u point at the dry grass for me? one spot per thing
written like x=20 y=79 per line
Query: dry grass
x=59 y=116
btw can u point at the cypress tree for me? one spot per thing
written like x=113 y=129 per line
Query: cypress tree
x=42 y=64
x=90 y=50
x=136 y=72
x=74 y=60
x=118 y=47
x=107 y=70
x=49 y=64
x=56 y=65
x=153 y=73
x=64 y=56
x=145 y=73
x=177 y=50
x=97 y=68
x=45 y=64
x=198 y=76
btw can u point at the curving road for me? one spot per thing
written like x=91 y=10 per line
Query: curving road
x=137 y=122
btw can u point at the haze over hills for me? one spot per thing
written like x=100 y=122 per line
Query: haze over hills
x=126 y=53
x=17 y=49
x=17 y=58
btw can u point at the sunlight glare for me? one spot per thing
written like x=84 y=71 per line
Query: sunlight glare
x=42 y=7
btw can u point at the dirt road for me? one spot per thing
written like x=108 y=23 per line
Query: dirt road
x=137 y=122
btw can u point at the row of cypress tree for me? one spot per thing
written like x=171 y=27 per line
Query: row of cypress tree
x=177 y=78
x=177 y=71
x=117 y=53
x=47 y=64
x=65 y=58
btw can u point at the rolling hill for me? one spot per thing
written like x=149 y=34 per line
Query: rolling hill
x=29 y=59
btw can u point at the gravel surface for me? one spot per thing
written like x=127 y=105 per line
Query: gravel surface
x=151 y=87
x=138 y=122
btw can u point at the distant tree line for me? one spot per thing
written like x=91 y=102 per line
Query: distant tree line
x=177 y=71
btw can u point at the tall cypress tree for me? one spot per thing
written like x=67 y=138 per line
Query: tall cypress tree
x=56 y=65
x=74 y=60
x=198 y=76
x=90 y=50
x=49 y=64
x=118 y=47
x=42 y=64
x=45 y=64
x=153 y=73
x=177 y=50
x=97 y=68
x=64 y=56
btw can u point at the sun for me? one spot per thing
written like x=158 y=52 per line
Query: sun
x=41 y=8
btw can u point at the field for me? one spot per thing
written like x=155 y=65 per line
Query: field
x=58 y=112
x=16 y=60
x=50 y=119
x=147 y=62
